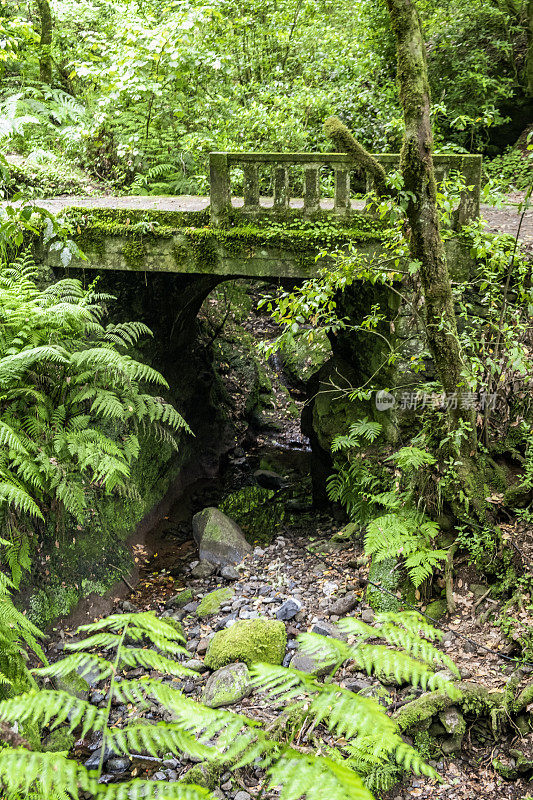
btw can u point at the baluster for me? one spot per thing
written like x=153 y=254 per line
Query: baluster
x=342 y=190
x=311 y=188
x=281 y=187
x=251 y=185
x=220 y=187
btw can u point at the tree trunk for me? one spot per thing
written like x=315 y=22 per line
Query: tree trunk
x=346 y=143
x=45 y=45
x=529 y=58
x=426 y=243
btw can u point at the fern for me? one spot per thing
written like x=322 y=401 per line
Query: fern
x=73 y=401
x=370 y=744
x=367 y=490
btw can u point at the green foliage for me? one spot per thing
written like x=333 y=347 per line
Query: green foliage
x=72 y=404
x=371 y=740
x=385 y=502
x=17 y=634
x=512 y=170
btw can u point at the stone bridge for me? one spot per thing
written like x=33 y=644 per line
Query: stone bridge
x=268 y=216
x=250 y=226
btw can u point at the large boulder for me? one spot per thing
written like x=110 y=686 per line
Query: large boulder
x=227 y=685
x=249 y=641
x=220 y=540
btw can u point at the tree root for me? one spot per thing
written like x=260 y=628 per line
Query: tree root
x=472 y=698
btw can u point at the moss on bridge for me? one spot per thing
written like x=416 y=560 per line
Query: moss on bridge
x=197 y=247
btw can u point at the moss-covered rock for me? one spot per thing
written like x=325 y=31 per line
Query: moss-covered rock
x=211 y=603
x=59 y=740
x=220 y=540
x=206 y=775
x=249 y=641
x=181 y=599
x=437 y=609
x=74 y=684
x=387 y=575
x=227 y=685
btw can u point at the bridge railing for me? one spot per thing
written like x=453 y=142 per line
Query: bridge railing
x=311 y=166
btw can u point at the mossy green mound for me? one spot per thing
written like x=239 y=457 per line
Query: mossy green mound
x=437 y=609
x=249 y=641
x=181 y=599
x=211 y=603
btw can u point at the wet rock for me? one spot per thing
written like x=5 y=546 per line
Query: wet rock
x=220 y=540
x=344 y=604
x=227 y=686
x=117 y=764
x=289 y=609
x=204 y=569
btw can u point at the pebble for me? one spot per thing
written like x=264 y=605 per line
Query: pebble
x=367 y=616
x=289 y=609
x=243 y=796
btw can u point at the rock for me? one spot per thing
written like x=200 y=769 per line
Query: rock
x=229 y=573
x=437 y=609
x=181 y=599
x=227 y=685
x=74 y=684
x=203 y=644
x=128 y=607
x=312 y=664
x=327 y=629
x=289 y=609
x=357 y=685
x=380 y=693
x=195 y=664
x=453 y=721
x=242 y=796
x=220 y=540
x=344 y=604
x=249 y=641
x=190 y=608
x=117 y=764
x=268 y=479
x=368 y=616
x=211 y=603
x=298 y=506
x=204 y=569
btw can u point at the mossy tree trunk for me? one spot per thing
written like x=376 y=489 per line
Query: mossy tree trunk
x=45 y=44
x=426 y=242
x=346 y=143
